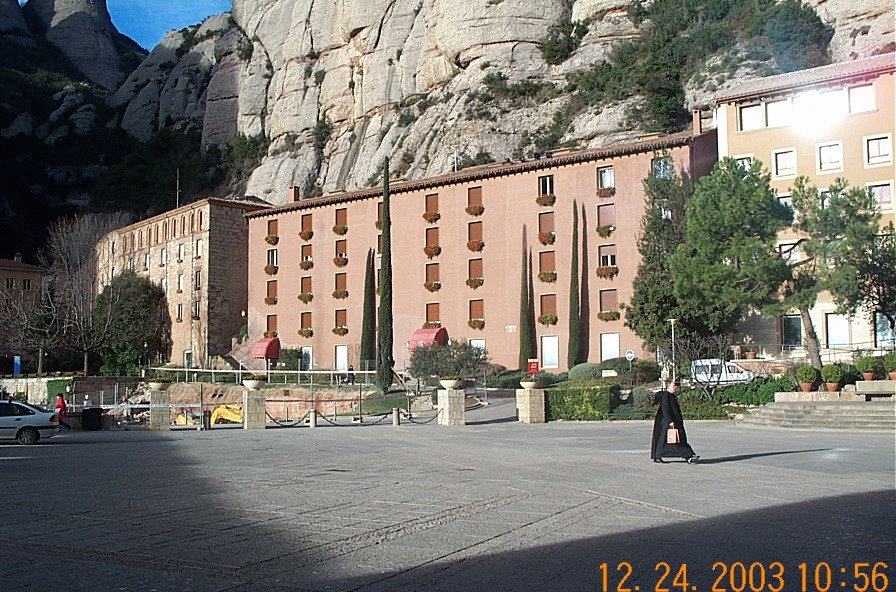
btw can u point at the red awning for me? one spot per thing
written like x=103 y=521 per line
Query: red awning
x=427 y=336
x=267 y=348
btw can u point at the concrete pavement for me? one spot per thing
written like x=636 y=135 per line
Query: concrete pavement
x=495 y=505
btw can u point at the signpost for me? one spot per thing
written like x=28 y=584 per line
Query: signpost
x=532 y=366
x=630 y=355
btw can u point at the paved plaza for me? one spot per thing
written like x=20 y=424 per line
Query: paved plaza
x=494 y=506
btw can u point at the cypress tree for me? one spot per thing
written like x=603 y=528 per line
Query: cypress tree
x=368 y=329
x=573 y=347
x=384 y=318
x=525 y=316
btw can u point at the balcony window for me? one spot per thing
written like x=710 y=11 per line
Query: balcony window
x=779 y=113
x=606 y=179
x=546 y=185
x=432 y=314
x=606 y=215
x=307 y=253
x=606 y=255
x=547 y=261
x=548 y=304
x=609 y=300
x=882 y=194
x=272 y=257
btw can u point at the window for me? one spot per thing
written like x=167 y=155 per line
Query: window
x=198 y=248
x=550 y=351
x=341 y=356
x=432 y=237
x=832 y=104
x=474 y=231
x=547 y=261
x=341 y=318
x=789 y=252
x=432 y=273
x=548 y=303
x=180 y=252
x=10 y=283
x=432 y=313
x=305 y=284
x=477 y=343
x=271 y=291
x=271 y=323
x=836 y=328
x=605 y=178
x=786 y=200
x=180 y=282
x=26 y=283
x=474 y=196
x=861 y=98
x=606 y=255
x=163 y=284
x=341 y=281
x=305 y=320
x=609 y=300
x=606 y=215
x=609 y=346
x=882 y=194
x=878 y=150
x=884 y=336
x=379 y=211
x=197 y=310
x=546 y=222
x=661 y=167
x=791 y=332
x=146 y=259
x=307 y=221
x=830 y=157
x=778 y=113
x=342 y=217
x=474 y=267
x=751 y=118
x=785 y=162
x=546 y=185
x=272 y=256
x=272 y=227
x=431 y=203
x=477 y=309
x=744 y=162
x=198 y=280
x=180 y=312
x=163 y=256
x=307 y=253
x=341 y=248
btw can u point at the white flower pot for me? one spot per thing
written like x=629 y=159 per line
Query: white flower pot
x=451 y=384
x=253 y=384
x=158 y=386
x=528 y=384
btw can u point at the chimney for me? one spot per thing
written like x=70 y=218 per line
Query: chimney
x=697 y=122
x=17 y=257
x=294 y=194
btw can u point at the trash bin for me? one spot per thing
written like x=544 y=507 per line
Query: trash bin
x=206 y=420
x=92 y=419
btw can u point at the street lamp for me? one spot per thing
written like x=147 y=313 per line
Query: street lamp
x=673 y=348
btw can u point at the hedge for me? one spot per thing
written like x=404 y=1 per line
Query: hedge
x=758 y=392
x=585 y=402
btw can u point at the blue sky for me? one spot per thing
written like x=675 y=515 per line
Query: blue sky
x=147 y=21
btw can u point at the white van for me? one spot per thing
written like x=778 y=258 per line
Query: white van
x=716 y=372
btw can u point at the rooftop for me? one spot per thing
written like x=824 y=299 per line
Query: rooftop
x=863 y=68
x=11 y=264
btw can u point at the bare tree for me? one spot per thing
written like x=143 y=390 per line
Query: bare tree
x=31 y=322
x=71 y=264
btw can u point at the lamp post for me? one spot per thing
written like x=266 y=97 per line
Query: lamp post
x=672 y=321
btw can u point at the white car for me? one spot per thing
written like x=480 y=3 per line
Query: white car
x=716 y=372
x=26 y=423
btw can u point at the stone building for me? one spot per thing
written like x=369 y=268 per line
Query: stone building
x=197 y=254
x=20 y=287
x=822 y=123
x=457 y=251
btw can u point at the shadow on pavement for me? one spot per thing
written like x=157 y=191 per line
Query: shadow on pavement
x=737 y=457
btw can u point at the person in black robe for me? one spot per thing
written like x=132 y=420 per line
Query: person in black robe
x=669 y=415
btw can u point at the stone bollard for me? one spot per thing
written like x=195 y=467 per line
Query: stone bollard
x=451 y=407
x=530 y=405
x=312 y=418
x=254 y=417
x=159 y=417
x=396 y=416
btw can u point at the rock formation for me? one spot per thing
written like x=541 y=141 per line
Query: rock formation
x=11 y=19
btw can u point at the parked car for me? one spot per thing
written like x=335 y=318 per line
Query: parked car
x=716 y=372
x=26 y=423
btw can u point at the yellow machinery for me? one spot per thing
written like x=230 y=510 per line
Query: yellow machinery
x=227 y=414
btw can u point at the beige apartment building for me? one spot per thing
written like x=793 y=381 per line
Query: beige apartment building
x=197 y=254
x=457 y=253
x=822 y=123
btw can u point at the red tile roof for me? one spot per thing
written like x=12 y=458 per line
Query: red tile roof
x=10 y=264
x=842 y=71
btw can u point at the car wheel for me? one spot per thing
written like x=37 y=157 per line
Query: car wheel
x=28 y=436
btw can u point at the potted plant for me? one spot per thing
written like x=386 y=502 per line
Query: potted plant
x=270 y=300
x=548 y=319
x=529 y=381
x=546 y=200
x=306 y=264
x=255 y=382
x=340 y=331
x=475 y=282
x=271 y=269
x=608 y=315
x=547 y=238
x=475 y=210
x=832 y=374
x=158 y=382
x=340 y=261
x=272 y=239
x=605 y=230
x=340 y=294
x=547 y=277
x=867 y=365
x=806 y=375
x=432 y=251
x=306 y=297
x=475 y=245
x=433 y=286
x=306 y=234
x=340 y=229
x=890 y=365
x=607 y=271
x=431 y=217
x=477 y=324
x=306 y=332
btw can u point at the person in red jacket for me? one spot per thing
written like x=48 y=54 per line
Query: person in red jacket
x=62 y=413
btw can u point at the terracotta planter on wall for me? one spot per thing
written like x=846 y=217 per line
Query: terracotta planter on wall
x=868 y=375
x=832 y=387
x=806 y=386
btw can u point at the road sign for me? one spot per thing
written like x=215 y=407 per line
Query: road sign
x=532 y=366
x=630 y=354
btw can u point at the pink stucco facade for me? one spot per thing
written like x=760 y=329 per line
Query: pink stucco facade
x=510 y=224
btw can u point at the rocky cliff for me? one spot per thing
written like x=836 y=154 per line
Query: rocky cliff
x=336 y=86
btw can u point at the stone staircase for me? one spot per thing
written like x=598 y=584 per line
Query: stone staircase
x=859 y=415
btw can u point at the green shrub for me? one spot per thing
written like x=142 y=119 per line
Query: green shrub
x=866 y=364
x=831 y=373
x=583 y=372
x=644 y=399
x=890 y=362
x=456 y=359
x=806 y=373
x=579 y=401
x=758 y=392
x=624 y=412
x=642 y=371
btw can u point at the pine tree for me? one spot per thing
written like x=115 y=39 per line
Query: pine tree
x=573 y=348
x=385 y=362
x=368 y=329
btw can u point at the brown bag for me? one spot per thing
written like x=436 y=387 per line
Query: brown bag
x=672 y=435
